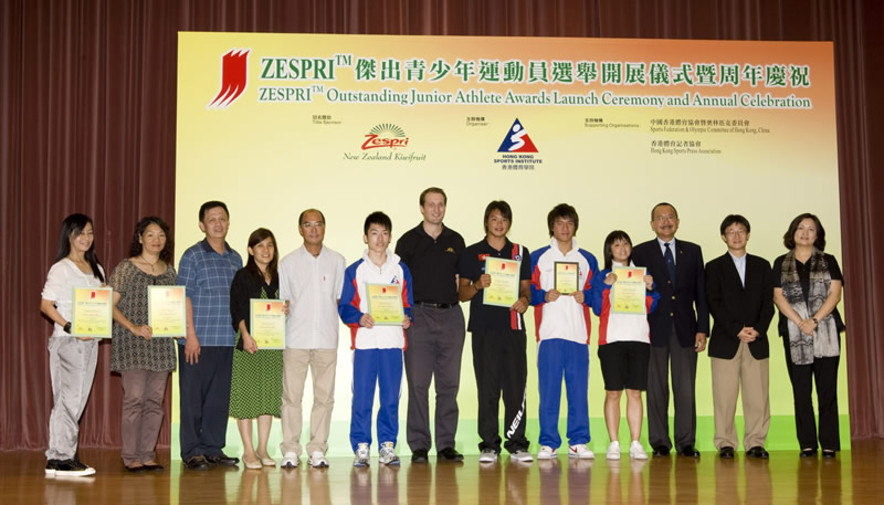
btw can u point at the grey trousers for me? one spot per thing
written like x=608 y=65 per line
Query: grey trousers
x=684 y=375
x=71 y=368
x=143 y=392
x=435 y=345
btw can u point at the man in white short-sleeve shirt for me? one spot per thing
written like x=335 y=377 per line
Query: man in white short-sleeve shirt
x=310 y=279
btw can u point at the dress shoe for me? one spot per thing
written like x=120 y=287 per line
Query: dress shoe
x=828 y=453
x=689 y=452
x=196 y=463
x=808 y=453
x=450 y=455
x=136 y=469
x=222 y=460
x=757 y=452
x=155 y=467
x=726 y=452
x=661 y=450
x=420 y=456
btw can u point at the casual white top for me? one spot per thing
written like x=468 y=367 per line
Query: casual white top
x=312 y=285
x=61 y=280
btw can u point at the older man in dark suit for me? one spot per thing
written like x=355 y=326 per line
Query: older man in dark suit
x=739 y=287
x=679 y=328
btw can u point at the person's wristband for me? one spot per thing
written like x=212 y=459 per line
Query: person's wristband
x=67 y=327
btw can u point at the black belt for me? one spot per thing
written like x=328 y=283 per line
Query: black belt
x=436 y=305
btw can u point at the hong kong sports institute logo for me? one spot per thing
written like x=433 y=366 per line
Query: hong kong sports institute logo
x=385 y=135
x=234 y=77
x=517 y=140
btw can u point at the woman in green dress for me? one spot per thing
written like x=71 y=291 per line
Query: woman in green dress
x=256 y=387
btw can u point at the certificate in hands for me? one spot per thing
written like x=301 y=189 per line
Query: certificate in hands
x=267 y=323
x=628 y=293
x=385 y=304
x=167 y=311
x=504 y=288
x=567 y=277
x=92 y=314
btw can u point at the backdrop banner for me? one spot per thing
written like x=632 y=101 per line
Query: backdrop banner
x=273 y=124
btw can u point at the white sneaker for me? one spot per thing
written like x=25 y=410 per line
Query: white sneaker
x=522 y=456
x=613 y=450
x=361 y=455
x=487 y=456
x=636 y=451
x=317 y=460
x=546 y=452
x=386 y=454
x=580 y=451
x=290 y=460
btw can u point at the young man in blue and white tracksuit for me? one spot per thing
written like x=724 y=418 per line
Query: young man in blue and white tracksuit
x=377 y=348
x=563 y=330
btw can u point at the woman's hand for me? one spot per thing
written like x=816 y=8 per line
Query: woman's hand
x=807 y=326
x=142 y=330
x=248 y=344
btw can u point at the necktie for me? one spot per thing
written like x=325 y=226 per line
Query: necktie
x=670 y=263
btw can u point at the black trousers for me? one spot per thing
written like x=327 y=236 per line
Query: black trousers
x=204 y=390
x=501 y=367
x=823 y=371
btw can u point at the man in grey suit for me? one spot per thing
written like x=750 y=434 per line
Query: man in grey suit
x=678 y=332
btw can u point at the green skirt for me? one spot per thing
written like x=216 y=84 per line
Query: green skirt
x=256 y=385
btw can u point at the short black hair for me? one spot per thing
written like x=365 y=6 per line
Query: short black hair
x=662 y=204
x=562 y=210
x=377 y=217
x=433 y=189
x=501 y=206
x=789 y=236
x=305 y=211
x=211 y=204
x=731 y=219
x=612 y=237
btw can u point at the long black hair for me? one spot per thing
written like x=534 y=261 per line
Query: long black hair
x=73 y=226
x=612 y=237
x=255 y=238
x=136 y=247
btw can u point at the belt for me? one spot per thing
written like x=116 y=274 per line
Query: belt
x=435 y=305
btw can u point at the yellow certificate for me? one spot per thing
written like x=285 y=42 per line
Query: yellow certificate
x=92 y=312
x=628 y=293
x=167 y=311
x=385 y=304
x=504 y=288
x=567 y=277
x=267 y=323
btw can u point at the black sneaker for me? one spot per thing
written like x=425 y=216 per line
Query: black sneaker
x=72 y=468
x=51 y=467
x=450 y=455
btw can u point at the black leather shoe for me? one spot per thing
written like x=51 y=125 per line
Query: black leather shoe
x=757 y=452
x=828 y=453
x=420 y=456
x=450 y=455
x=689 y=452
x=153 y=468
x=222 y=460
x=661 y=451
x=726 y=453
x=808 y=453
x=196 y=463
x=136 y=469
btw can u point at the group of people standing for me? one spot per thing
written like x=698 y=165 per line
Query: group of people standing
x=223 y=372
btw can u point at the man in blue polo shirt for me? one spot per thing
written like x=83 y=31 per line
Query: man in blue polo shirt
x=205 y=356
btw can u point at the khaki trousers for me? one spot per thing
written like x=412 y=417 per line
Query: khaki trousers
x=729 y=377
x=322 y=363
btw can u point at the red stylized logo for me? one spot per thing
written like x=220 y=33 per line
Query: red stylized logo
x=385 y=135
x=233 y=78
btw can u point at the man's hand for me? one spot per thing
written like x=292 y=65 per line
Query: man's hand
x=700 y=342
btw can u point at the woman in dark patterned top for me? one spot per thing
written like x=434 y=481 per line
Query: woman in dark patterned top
x=807 y=289
x=144 y=362
x=256 y=387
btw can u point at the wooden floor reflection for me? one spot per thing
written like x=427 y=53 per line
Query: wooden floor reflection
x=855 y=477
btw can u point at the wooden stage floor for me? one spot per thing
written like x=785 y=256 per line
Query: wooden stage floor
x=854 y=477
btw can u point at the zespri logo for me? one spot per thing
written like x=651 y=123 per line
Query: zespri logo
x=385 y=135
x=234 y=78
x=517 y=140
